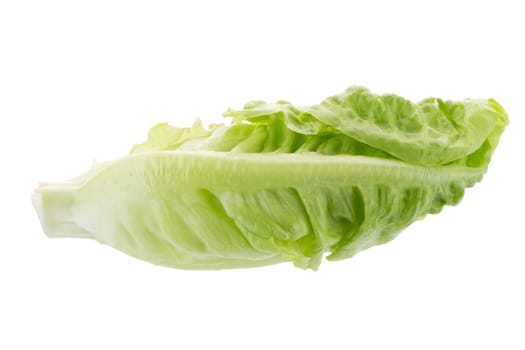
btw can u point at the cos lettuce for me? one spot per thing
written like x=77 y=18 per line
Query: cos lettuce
x=280 y=183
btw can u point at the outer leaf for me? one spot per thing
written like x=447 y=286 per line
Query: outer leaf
x=221 y=210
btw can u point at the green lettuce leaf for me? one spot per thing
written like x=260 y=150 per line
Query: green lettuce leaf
x=280 y=183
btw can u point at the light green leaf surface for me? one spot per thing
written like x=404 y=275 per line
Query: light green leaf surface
x=280 y=183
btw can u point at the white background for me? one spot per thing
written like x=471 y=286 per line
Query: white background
x=86 y=79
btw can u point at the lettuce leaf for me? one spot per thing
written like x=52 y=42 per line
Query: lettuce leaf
x=280 y=183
